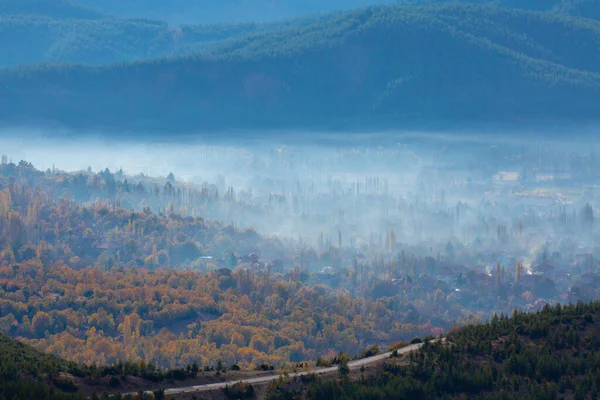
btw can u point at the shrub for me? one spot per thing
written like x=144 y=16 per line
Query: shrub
x=397 y=345
x=240 y=390
x=371 y=351
x=113 y=381
x=66 y=385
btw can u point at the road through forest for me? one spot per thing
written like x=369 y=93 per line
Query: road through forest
x=265 y=379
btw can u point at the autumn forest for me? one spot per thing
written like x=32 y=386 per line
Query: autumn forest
x=98 y=284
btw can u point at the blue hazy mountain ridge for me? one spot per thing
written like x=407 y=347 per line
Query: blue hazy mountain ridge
x=97 y=41
x=64 y=31
x=385 y=63
x=206 y=11
x=56 y=9
x=60 y=31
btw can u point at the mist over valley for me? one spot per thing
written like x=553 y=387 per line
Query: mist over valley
x=299 y=200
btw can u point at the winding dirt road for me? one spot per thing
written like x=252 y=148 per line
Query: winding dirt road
x=264 y=379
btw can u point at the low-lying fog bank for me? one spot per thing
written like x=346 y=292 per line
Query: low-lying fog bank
x=352 y=190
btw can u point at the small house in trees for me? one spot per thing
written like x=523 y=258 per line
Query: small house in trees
x=327 y=276
x=110 y=247
x=537 y=305
x=328 y=271
x=546 y=269
x=249 y=259
x=404 y=280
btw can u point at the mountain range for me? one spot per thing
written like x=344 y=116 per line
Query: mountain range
x=378 y=65
x=205 y=11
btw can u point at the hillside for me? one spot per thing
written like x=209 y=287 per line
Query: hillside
x=61 y=30
x=580 y=8
x=547 y=355
x=32 y=39
x=373 y=65
x=27 y=373
x=149 y=285
x=35 y=31
x=55 y=9
x=204 y=11
x=576 y=8
x=207 y=12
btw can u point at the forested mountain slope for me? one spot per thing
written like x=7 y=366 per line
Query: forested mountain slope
x=580 y=8
x=60 y=31
x=376 y=64
x=552 y=354
x=56 y=9
x=101 y=284
x=64 y=31
x=204 y=11
x=32 y=39
x=26 y=373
